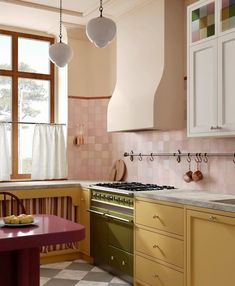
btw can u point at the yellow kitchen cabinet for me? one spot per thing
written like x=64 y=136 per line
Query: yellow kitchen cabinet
x=153 y=273
x=160 y=216
x=84 y=219
x=158 y=243
x=210 y=248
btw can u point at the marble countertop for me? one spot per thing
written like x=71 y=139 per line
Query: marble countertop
x=191 y=197
x=188 y=197
x=45 y=184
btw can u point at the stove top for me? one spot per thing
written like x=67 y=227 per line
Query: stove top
x=133 y=186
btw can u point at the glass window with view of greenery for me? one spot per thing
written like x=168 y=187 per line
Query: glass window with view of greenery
x=26 y=93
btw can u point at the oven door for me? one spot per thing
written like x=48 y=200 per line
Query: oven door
x=99 y=236
x=112 y=240
x=120 y=232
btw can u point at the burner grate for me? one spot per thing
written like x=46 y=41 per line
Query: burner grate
x=134 y=186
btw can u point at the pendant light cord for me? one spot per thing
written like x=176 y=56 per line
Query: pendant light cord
x=60 y=35
x=101 y=9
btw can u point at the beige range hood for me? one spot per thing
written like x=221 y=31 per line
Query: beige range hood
x=149 y=92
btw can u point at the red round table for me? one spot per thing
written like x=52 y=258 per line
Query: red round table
x=19 y=247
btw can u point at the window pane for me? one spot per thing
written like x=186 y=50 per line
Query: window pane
x=33 y=106
x=25 y=140
x=5 y=98
x=5 y=52
x=33 y=56
x=33 y=100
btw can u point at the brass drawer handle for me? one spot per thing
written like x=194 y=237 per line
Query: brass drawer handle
x=155 y=276
x=155 y=246
x=212 y=218
x=155 y=216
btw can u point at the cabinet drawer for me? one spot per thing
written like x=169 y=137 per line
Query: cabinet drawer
x=155 y=274
x=163 y=247
x=166 y=218
x=121 y=260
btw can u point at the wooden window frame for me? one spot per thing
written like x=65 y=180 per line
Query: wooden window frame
x=15 y=75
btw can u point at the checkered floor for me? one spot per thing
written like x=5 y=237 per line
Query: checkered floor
x=77 y=273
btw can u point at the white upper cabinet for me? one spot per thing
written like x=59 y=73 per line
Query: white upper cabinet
x=203 y=89
x=226 y=82
x=211 y=68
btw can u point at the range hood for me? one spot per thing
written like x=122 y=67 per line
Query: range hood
x=149 y=92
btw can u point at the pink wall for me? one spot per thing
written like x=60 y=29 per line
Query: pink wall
x=94 y=159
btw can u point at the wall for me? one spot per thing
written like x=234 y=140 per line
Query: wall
x=92 y=76
x=95 y=158
x=92 y=71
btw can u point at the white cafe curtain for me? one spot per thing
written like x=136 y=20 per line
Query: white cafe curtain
x=4 y=154
x=49 y=153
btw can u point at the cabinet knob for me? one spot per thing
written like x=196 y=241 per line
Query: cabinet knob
x=123 y=263
x=155 y=276
x=216 y=127
x=213 y=218
x=155 y=246
x=112 y=258
x=155 y=216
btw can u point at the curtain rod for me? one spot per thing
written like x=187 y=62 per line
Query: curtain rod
x=21 y=122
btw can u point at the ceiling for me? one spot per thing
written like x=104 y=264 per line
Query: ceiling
x=43 y=14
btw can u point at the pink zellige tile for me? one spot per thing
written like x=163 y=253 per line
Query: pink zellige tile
x=225 y=3
x=195 y=36
x=211 y=8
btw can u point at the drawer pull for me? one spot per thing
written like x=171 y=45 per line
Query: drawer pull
x=155 y=216
x=123 y=263
x=212 y=218
x=155 y=246
x=112 y=258
x=155 y=276
x=216 y=127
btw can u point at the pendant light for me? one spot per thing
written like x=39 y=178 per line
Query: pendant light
x=60 y=53
x=101 y=30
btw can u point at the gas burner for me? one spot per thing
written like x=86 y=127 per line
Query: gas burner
x=134 y=186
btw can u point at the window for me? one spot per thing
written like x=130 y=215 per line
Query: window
x=26 y=93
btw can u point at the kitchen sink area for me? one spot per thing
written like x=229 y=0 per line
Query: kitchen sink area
x=225 y=201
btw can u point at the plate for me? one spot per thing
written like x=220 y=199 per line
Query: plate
x=2 y=223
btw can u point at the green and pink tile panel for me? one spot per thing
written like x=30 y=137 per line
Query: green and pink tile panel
x=203 y=22
x=227 y=15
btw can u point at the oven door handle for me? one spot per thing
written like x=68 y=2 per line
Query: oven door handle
x=96 y=212
x=118 y=218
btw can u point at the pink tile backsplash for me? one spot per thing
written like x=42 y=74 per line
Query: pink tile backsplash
x=94 y=159
x=91 y=161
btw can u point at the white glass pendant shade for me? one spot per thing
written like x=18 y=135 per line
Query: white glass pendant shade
x=60 y=54
x=101 y=31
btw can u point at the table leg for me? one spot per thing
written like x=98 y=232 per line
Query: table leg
x=20 y=267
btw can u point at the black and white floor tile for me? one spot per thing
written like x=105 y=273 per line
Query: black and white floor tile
x=77 y=273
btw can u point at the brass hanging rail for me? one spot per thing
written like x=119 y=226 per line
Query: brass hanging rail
x=199 y=156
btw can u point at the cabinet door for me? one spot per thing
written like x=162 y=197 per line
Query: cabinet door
x=226 y=82
x=85 y=220
x=210 y=249
x=202 y=90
